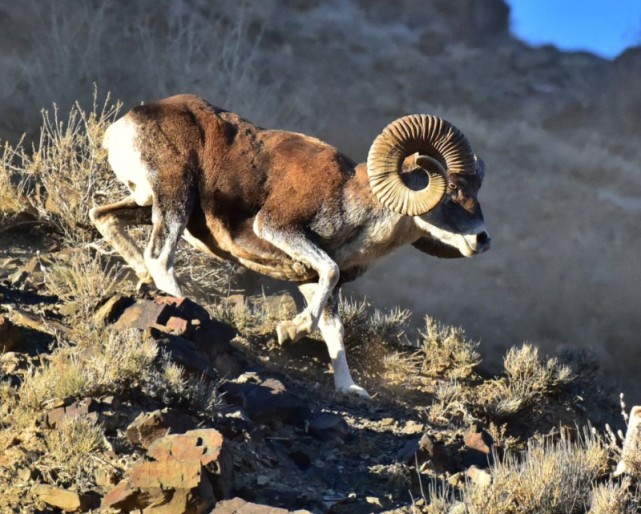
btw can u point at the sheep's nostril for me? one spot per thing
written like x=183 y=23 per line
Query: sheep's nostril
x=482 y=238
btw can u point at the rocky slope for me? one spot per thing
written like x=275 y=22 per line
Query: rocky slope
x=157 y=403
x=557 y=131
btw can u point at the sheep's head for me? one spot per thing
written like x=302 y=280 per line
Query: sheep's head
x=423 y=166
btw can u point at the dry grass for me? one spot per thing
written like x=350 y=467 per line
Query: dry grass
x=69 y=452
x=13 y=187
x=446 y=352
x=550 y=476
x=528 y=380
x=106 y=362
x=372 y=328
x=111 y=361
x=57 y=179
x=82 y=279
x=255 y=316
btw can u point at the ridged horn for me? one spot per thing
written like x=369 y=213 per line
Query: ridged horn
x=431 y=137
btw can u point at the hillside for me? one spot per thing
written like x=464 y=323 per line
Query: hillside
x=562 y=193
x=515 y=411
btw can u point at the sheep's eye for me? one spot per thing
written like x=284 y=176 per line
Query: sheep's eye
x=453 y=186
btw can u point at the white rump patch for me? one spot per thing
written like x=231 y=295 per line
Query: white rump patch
x=126 y=161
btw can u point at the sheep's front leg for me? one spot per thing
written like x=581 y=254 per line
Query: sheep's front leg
x=331 y=328
x=167 y=228
x=296 y=244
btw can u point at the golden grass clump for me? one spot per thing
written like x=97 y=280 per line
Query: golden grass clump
x=528 y=380
x=67 y=458
x=551 y=475
x=371 y=329
x=446 y=352
x=111 y=361
x=82 y=279
x=57 y=179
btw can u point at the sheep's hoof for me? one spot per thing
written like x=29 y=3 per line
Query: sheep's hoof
x=295 y=329
x=355 y=391
x=144 y=279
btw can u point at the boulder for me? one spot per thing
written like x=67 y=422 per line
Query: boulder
x=478 y=448
x=111 y=310
x=188 y=474
x=426 y=451
x=267 y=402
x=329 y=427
x=240 y=506
x=10 y=335
x=149 y=426
x=103 y=410
x=68 y=501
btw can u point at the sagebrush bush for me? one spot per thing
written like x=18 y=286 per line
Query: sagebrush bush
x=107 y=362
x=446 y=352
x=550 y=476
x=67 y=458
x=83 y=279
x=57 y=180
x=364 y=327
x=528 y=380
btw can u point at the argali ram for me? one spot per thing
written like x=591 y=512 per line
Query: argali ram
x=288 y=205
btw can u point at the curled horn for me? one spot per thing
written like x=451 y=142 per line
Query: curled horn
x=443 y=149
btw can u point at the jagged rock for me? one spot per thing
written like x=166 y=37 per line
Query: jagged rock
x=68 y=501
x=189 y=472
x=111 y=310
x=143 y=314
x=191 y=337
x=10 y=335
x=478 y=440
x=478 y=448
x=177 y=326
x=329 y=427
x=103 y=411
x=427 y=451
x=240 y=506
x=267 y=402
x=187 y=353
x=213 y=338
x=413 y=427
x=149 y=426
x=479 y=476
x=28 y=320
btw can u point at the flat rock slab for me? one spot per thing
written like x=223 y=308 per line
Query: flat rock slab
x=98 y=410
x=68 y=501
x=188 y=474
x=240 y=506
x=149 y=426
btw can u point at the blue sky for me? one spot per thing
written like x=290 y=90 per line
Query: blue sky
x=604 y=27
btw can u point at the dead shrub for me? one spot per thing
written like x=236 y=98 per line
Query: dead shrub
x=528 y=380
x=83 y=278
x=69 y=449
x=446 y=352
x=551 y=475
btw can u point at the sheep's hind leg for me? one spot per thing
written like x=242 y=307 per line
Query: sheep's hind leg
x=110 y=221
x=331 y=328
x=296 y=244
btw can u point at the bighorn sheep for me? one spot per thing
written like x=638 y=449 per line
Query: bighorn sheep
x=288 y=205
